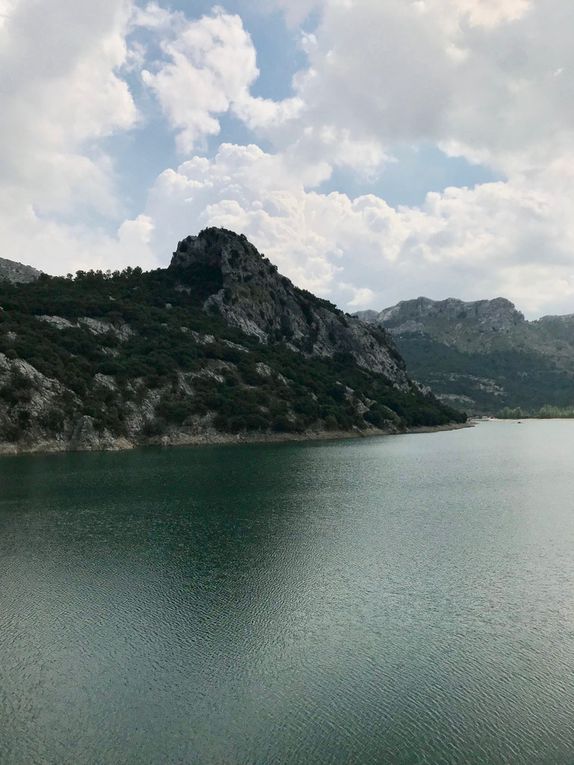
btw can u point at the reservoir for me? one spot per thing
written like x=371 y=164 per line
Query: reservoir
x=404 y=599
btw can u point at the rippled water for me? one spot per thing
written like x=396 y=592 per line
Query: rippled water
x=393 y=600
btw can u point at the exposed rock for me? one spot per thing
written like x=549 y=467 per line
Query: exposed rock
x=264 y=369
x=85 y=437
x=251 y=295
x=100 y=327
x=200 y=338
x=105 y=381
x=367 y=316
x=17 y=272
x=235 y=346
x=96 y=326
x=215 y=370
x=57 y=321
x=498 y=315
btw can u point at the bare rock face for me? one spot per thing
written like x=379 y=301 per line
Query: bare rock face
x=498 y=315
x=96 y=326
x=17 y=272
x=250 y=294
x=28 y=401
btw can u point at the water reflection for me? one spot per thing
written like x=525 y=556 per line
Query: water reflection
x=404 y=599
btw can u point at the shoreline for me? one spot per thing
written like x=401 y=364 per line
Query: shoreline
x=176 y=440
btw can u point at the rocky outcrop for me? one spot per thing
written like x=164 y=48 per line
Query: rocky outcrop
x=251 y=295
x=491 y=316
x=12 y=271
x=96 y=326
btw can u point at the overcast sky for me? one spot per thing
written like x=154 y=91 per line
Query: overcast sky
x=375 y=150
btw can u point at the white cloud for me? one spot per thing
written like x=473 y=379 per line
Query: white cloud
x=60 y=93
x=362 y=252
x=210 y=64
x=484 y=79
x=154 y=16
x=489 y=13
x=209 y=69
x=488 y=80
x=477 y=76
x=60 y=248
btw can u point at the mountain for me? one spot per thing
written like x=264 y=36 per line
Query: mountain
x=217 y=346
x=17 y=272
x=484 y=356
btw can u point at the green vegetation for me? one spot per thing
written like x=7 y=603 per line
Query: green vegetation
x=544 y=413
x=484 y=355
x=493 y=380
x=152 y=337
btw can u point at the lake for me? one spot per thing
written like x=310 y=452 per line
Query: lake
x=406 y=599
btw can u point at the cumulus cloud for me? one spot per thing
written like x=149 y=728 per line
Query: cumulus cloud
x=208 y=70
x=209 y=64
x=362 y=252
x=63 y=92
x=482 y=79
x=56 y=247
x=487 y=80
x=60 y=92
x=209 y=67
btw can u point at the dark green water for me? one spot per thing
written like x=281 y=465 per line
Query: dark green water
x=395 y=600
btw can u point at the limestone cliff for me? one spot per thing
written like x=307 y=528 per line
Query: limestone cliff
x=251 y=295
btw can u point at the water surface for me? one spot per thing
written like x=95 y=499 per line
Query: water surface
x=393 y=600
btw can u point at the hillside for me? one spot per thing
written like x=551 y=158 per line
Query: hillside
x=218 y=345
x=484 y=356
x=15 y=272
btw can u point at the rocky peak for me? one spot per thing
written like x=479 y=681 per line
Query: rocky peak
x=222 y=249
x=245 y=288
x=497 y=315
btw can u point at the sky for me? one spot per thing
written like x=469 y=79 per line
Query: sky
x=375 y=150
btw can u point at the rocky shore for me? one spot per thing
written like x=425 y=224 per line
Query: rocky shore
x=181 y=439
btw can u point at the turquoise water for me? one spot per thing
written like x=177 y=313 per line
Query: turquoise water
x=392 y=600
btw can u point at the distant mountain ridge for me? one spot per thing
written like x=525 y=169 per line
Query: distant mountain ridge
x=483 y=356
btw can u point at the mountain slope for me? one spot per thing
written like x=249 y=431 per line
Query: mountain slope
x=15 y=272
x=484 y=356
x=218 y=344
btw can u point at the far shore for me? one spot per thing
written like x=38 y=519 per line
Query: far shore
x=525 y=418
x=213 y=439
